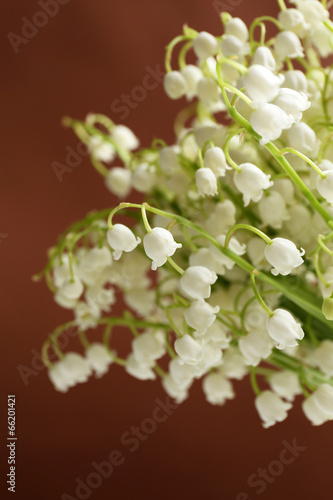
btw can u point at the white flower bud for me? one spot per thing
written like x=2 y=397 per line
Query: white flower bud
x=200 y=316
x=271 y=408
x=77 y=367
x=313 y=412
x=325 y=186
x=292 y=102
x=233 y=46
x=206 y=182
x=234 y=365
x=238 y=28
x=98 y=358
x=72 y=289
x=86 y=315
x=118 y=181
x=283 y=255
x=288 y=45
x=168 y=159
x=285 y=384
x=283 y=329
x=264 y=57
x=139 y=370
x=101 y=149
x=323 y=357
x=125 y=138
x=268 y=121
x=251 y=181
x=217 y=389
x=205 y=45
x=215 y=160
x=196 y=282
x=60 y=377
x=174 y=390
x=293 y=20
x=261 y=84
x=221 y=218
x=189 y=350
x=143 y=178
x=159 y=245
x=183 y=374
x=121 y=239
x=175 y=85
x=273 y=210
x=255 y=346
x=303 y=138
x=192 y=75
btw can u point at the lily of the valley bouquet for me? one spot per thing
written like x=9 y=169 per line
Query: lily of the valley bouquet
x=227 y=266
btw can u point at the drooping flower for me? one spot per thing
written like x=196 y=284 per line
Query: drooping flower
x=271 y=408
x=215 y=160
x=283 y=329
x=251 y=181
x=261 y=84
x=325 y=186
x=200 y=315
x=206 y=182
x=288 y=45
x=283 y=255
x=159 y=245
x=269 y=121
x=189 y=350
x=175 y=84
x=197 y=281
x=205 y=45
x=121 y=239
x=217 y=389
x=98 y=358
x=118 y=181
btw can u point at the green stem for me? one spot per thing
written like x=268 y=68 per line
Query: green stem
x=255 y=230
x=258 y=296
x=305 y=158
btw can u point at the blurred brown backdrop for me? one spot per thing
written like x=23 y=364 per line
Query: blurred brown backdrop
x=85 y=57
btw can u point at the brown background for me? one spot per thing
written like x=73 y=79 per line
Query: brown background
x=85 y=57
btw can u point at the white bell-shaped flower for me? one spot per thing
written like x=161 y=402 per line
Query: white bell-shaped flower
x=323 y=357
x=200 y=316
x=234 y=365
x=255 y=346
x=264 y=57
x=273 y=210
x=143 y=178
x=233 y=46
x=192 y=75
x=189 y=350
x=173 y=389
x=86 y=315
x=234 y=245
x=313 y=412
x=62 y=270
x=139 y=370
x=283 y=255
x=261 y=84
x=217 y=389
x=125 y=138
x=121 y=239
x=292 y=102
x=98 y=358
x=204 y=257
x=205 y=45
x=285 y=384
x=77 y=367
x=183 y=374
x=59 y=377
x=97 y=259
x=197 y=281
x=118 y=181
x=271 y=408
x=296 y=80
x=269 y=121
x=168 y=159
x=72 y=289
x=217 y=335
x=212 y=358
x=283 y=329
x=303 y=138
x=293 y=20
x=288 y=45
x=322 y=39
x=175 y=85
x=159 y=245
x=325 y=186
x=251 y=181
x=147 y=348
x=214 y=159
x=313 y=11
x=236 y=27
x=323 y=398
x=206 y=182
x=221 y=217
x=64 y=302
x=102 y=297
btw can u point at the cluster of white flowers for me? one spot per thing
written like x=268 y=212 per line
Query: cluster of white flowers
x=202 y=302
